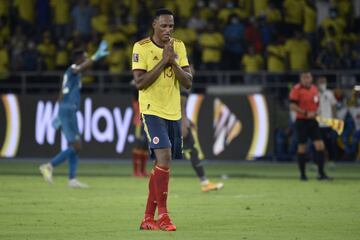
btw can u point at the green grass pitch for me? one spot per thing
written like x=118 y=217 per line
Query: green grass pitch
x=259 y=201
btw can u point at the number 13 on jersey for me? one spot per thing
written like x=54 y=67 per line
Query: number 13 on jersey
x=168 y=72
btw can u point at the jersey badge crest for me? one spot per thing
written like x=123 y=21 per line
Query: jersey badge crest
x=135 y=57
x=156 y=140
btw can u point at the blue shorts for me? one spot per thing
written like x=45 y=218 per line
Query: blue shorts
x=68 y=123
x=142 y=141
x=163 y=133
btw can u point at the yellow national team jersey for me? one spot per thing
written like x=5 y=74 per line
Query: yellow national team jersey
x=294 y=11
x=260 y=7
x=162 y=98
x=299 y=51
x=252 y=63
x=276 y=58
x=310 y=16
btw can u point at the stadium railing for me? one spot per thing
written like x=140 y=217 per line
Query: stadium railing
x=104 y=82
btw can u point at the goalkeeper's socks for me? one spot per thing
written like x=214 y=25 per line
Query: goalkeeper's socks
x=151 y=201
x=161 y=177
x=195 y=163
x=73 y=163
x=302 y=164
x=320 y=160
x=61 y=157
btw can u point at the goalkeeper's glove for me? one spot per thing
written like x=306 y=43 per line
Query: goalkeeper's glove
x=101 y=52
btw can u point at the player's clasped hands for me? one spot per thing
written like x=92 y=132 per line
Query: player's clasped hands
x=169 y=53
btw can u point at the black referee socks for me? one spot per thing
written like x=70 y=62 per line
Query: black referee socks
x=320 y=161
x=301 y=158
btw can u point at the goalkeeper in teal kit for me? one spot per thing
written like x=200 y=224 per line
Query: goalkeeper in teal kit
x=69 y=104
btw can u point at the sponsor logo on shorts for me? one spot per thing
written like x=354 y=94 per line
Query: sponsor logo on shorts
x=156 y=140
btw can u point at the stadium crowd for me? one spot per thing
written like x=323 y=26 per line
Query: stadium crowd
x=277 y=36
x=272 y=35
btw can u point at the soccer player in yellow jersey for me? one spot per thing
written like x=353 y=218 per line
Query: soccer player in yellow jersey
x=159 y=67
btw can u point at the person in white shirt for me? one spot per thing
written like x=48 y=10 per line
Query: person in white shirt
x=326 y=109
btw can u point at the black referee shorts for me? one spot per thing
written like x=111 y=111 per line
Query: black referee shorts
x=307 y=128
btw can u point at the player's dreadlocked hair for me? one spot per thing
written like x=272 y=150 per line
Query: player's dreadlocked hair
x=163 y=11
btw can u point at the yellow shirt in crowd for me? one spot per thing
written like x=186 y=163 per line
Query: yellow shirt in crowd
x=260 y=7
x=338 y=24
x=113 y=37
x=276 y=58
x=62 y=58
x=61 y=10
x=252 y=63
x=4 y=63
x=298 y=51
x=117 y=60
x=189 y=35
x=104 y=5
x=26 y=9
x=293 y=11
x=343 y=7
x=100 y=23
x=212 y=44
x=245 y=6
x=336 y=40
x=273 y=15
x=309 y=19
x=48 y=51
x=4 y=7
x=185 y=7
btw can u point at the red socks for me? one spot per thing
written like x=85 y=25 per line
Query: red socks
x=143 y=160
x=139 y=163
x=151 y=201
x=161 y=179
x=158 y=191
x=136 y=157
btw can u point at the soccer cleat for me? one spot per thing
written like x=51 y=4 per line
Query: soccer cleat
x=74 y=183
x=324 y=177
x=137 y=175
x=149 y=224
x=303 y=178
x=165 y=223
x=211 y=186
x=140 y=175
x=144 y=174
x=47 y=172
